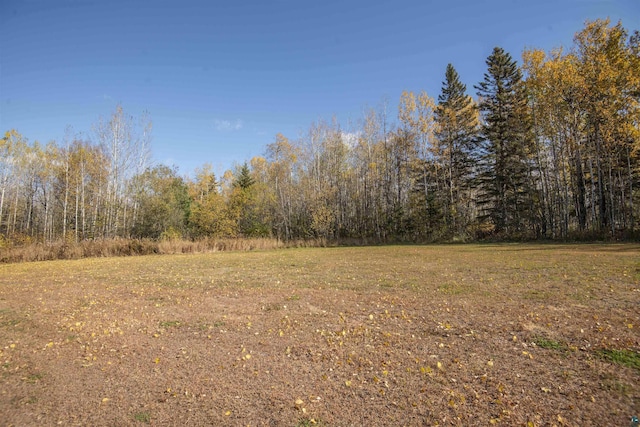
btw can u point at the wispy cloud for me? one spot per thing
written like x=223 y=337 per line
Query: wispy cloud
x=227 y=125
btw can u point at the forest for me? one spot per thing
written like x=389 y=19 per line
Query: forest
x=547 y=149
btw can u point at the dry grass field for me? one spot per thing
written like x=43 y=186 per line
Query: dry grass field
x=463 y=335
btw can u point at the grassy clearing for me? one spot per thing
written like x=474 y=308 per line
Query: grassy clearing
x=401 y=335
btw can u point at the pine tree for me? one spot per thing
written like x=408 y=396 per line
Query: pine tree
x=506 y=167
x=456 y=132
x=244 y=179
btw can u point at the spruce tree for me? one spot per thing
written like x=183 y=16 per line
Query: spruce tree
x=244 y=179
x=506 y=186
x=456 y=131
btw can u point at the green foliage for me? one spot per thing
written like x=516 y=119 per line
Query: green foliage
x=163 y=204
x=457 y=129
x=244 y=209
x=212 y=217
x=244 y=180
x=505 y=178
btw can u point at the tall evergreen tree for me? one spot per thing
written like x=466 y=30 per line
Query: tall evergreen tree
x=456 y=131
x=506 y=178
x=243 y=206
x=244 y=179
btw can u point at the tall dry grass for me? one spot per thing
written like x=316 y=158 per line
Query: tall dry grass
x=132 y=247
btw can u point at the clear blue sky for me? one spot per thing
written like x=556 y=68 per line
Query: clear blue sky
x=220 y=79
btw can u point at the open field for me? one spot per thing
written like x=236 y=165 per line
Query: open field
x=512 y=335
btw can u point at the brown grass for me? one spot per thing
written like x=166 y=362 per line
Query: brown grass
x=512 y=335
x=61 y=250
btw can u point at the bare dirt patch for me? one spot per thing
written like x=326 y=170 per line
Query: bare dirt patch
x=526 y=335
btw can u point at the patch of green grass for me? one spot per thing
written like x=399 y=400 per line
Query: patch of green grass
x=294 y=297
x=218 y=324
x=143 y=417
x=628 y=358
x=549 y=343
x=34 y=378
x=170 y=324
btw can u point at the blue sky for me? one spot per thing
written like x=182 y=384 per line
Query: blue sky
x=220 y=79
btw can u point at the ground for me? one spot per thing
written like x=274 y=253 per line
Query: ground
x=512 y=335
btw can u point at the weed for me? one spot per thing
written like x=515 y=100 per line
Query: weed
x=628 y=358
x=143 y=417
x=170 y=324
x=34 y=378
x=549 y=343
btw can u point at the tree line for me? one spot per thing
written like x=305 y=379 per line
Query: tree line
x=547 y=149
